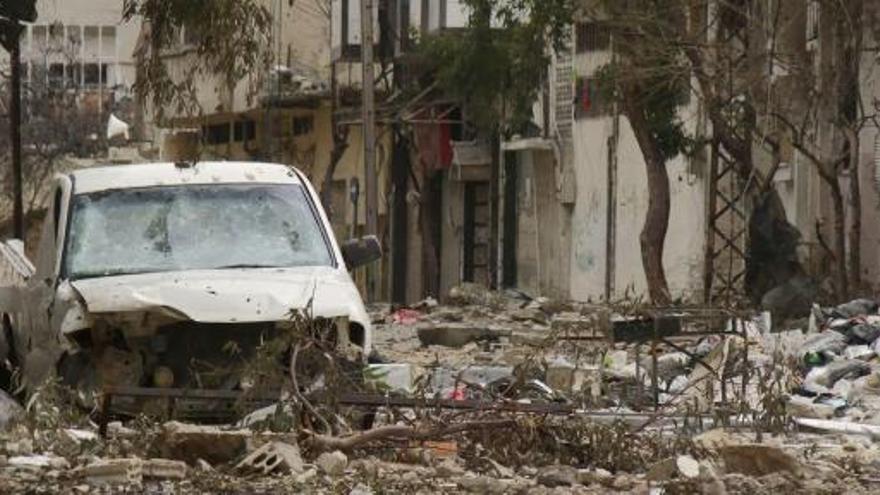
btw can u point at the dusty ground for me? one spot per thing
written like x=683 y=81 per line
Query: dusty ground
x=54 y=449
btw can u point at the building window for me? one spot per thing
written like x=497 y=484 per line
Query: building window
x=303 y=125
x=244 y=130
x=40 y=40
x=216 y=133
x=56 y=76
x=592 y=37
x=108 y=41
x=91 y=75
x=588 y=100
x=91 y=46
x=105 y=75
x=73 y=75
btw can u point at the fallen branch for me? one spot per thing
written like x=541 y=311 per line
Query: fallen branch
x=298 y=394
x=399 y=432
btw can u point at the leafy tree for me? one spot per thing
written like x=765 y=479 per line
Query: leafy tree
x=232 y=40
x=497 y=65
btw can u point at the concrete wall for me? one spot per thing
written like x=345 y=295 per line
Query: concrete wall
x=451 y=235
x=869 y=170
x=685 y=239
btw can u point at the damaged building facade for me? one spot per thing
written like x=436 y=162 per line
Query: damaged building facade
x=556 y=213
x=560 y=212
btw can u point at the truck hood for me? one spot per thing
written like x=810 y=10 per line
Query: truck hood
x=228 y=295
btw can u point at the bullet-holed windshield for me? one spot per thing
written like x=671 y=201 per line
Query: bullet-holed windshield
x=193 y=227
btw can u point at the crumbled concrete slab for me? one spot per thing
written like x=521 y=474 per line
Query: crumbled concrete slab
x=273 y=457
x=456 y=334
x=758 y=460
x=131 y=471
x=10 y=410
x=332 y=463
x=188 y=442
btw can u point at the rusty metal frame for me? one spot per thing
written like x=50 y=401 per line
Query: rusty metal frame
x=710 y=317
x=726 y=231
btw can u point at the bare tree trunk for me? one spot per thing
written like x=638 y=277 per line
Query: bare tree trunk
x=855 y=234
x=653 y=234
x=340 y=145
x=839 y=238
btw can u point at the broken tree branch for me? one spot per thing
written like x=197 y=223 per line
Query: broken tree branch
x=398 y=432
x=298 y=394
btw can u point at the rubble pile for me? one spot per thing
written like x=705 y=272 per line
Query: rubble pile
x=738 y=409
x=838 y=360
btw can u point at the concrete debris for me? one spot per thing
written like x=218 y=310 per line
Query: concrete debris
x=758 y=460
x=553 y=476
x=456 y=334
x=846 y=427
x=131 y=471
x=683 y=466
x=263 y=415
x=805 y=407
x=38 y=462
x=486 y=485
x=448 y=468
x=188 y=442
x=332 y=463
x=273 y=457
x=493 y=348
x=392 y=377
x=10 y=410
x=361 y=489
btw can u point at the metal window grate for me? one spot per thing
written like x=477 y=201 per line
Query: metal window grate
x=592 y=37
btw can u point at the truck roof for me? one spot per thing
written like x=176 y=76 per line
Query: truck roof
x=169 y=174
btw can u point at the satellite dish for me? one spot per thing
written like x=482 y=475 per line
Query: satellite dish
x=116 y=127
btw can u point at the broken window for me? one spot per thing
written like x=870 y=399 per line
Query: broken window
x=194 y=227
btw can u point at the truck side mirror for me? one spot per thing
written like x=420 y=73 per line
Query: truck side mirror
x=359 y=252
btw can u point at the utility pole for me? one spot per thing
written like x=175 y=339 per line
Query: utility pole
x=12 y=12
x=368 y=110
x=15 y=135
x=369 y=116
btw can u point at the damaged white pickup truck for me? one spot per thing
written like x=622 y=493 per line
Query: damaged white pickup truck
x=146 y=273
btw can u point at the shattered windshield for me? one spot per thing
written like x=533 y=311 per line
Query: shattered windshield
x=193 y=227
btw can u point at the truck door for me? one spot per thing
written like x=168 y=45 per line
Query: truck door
x=38 y=340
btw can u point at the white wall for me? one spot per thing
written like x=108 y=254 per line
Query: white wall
x=685 y=238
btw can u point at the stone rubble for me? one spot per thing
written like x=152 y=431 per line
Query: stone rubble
x=828 y=395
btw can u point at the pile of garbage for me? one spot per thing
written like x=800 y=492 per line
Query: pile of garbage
x=839 y=361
